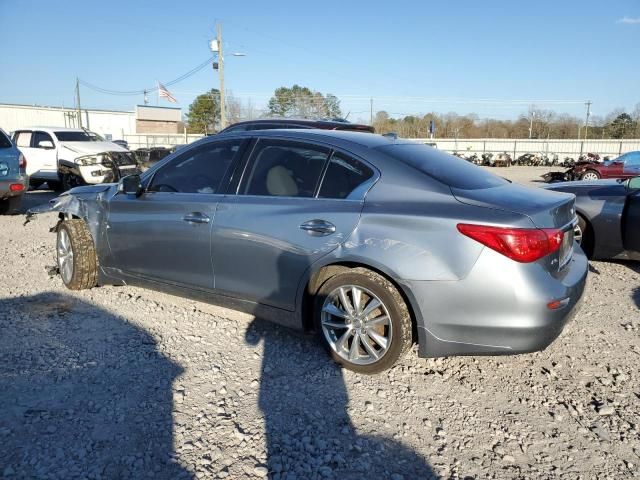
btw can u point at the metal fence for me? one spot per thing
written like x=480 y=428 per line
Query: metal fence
x=146 y=140
x=517 y=147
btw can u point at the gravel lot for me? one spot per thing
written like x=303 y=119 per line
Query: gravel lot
x=120 y=382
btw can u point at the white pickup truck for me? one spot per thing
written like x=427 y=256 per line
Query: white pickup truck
x=70 y=157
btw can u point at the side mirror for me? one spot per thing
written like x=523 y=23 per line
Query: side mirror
x=130 y=185
x=633 y=183
x=46 y=144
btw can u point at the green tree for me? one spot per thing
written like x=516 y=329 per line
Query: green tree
x=622 y=125
x=204 y=113
x=300 y=101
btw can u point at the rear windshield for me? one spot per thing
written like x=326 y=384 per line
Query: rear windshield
x=78 y=136
x=448 y=169
x=4 y=140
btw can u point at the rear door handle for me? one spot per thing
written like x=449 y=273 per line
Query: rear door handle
x=318 y=228
x=196 y=217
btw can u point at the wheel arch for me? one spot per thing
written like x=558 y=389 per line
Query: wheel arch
x=320 y=273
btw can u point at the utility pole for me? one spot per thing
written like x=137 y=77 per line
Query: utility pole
x=78 y=102
x=371 y=114
x=533 y=114
x=586 y=120
x=223 y=118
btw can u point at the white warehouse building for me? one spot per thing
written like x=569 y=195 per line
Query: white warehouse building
x=111 y=124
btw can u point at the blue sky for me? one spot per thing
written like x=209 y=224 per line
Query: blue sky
x=411 y=57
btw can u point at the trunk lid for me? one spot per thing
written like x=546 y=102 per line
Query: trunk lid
x=546 y=209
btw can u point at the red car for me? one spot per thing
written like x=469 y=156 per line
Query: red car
x=625 y=166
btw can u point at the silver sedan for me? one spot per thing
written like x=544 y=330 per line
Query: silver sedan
x=374 y=243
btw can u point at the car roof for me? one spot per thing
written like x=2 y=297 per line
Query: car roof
x=51 y=129
x=364 y=139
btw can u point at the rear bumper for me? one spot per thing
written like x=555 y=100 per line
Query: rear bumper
x=499 y=309
x=5 y=186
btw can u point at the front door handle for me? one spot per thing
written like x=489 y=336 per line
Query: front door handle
x=318 y=228
x=196 y=217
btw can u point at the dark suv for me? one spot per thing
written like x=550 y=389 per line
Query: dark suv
x=273 y=123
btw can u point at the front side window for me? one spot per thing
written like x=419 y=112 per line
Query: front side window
x=200 y=170
x=41 y=137
x=343 y=176
x=285 y=169
x=23 y=139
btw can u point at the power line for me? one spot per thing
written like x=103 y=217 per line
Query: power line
x=182 y=77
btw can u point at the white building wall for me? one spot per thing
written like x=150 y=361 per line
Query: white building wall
x=104 y=122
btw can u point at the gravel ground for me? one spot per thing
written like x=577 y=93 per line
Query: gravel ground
x=120 y=382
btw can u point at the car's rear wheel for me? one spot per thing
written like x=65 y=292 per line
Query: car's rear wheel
x=35 y=184
x=76 y=255
x=362 y=320
x=590 y=175
x=583 y=234
x=54 y=185
x=10 y=205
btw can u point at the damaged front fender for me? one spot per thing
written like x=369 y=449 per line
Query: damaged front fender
x=87 y=203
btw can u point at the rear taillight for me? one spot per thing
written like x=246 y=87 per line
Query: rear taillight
x=22 y=162
x=16 y=187
x=520 y=244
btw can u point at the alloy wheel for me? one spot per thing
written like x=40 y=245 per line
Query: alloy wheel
x=65 y=256
x=590 y=176
x=356 y=324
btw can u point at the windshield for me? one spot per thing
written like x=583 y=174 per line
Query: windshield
x=78 y=136
x=4 y=140
x=448 y=169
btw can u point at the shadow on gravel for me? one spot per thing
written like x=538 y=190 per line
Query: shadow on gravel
x=309 y=432
x=83 y=394
x=636 y=296
x=33 y=198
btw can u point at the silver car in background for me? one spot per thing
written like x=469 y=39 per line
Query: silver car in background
x=374 y=243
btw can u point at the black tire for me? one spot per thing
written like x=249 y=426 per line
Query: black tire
x=54 y=185
x=11 y=205
x=400 y=325
x=84 y=261
x=588 y=238
x=590 y=172
x=69 y=181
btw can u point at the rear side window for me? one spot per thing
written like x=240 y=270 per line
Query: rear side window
x=4 y=140
x=200 y=170
x=23 y=139
x=285 y=169
x=343 y=176
x=448 y=169
x=41 y=137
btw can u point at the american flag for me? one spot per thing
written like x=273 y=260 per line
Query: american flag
x=164 y=93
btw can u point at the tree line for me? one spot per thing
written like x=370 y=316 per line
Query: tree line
x=302 y=102
x=535 y=124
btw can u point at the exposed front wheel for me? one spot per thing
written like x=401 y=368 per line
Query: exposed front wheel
x=76 y=255
x=362 y=320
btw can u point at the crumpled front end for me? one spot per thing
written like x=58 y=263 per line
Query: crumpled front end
x=106 y=167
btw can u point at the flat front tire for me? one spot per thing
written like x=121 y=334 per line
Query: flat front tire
x=362 y=320
x=76 y=255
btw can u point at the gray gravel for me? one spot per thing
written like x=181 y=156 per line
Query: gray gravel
x=120 y=382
